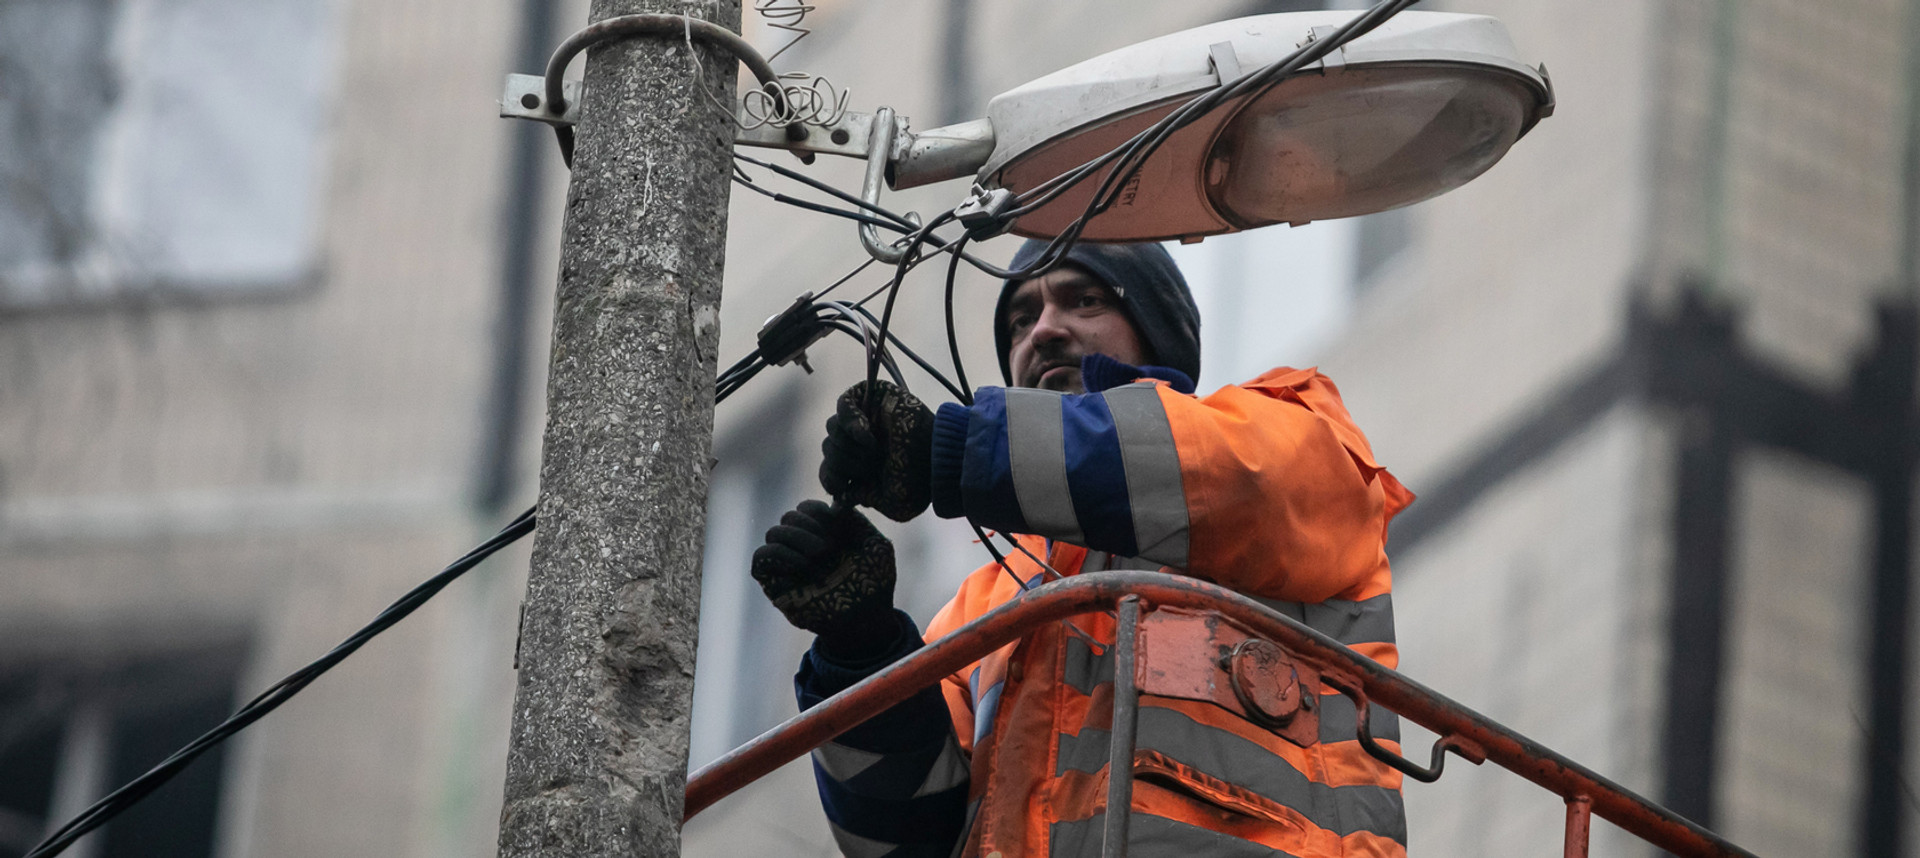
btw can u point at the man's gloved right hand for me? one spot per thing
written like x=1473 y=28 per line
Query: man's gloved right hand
x=830 y=572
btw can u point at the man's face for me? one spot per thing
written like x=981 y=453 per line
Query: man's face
x=1056 y=319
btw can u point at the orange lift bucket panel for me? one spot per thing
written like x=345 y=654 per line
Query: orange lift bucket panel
x=1186 y=638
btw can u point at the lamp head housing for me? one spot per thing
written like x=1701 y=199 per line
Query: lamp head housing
x=1417 y=107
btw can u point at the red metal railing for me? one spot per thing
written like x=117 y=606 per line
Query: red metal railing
x=1463 y=731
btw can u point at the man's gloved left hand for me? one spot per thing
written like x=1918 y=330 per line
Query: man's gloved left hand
x=881 y=457
x=830 y=572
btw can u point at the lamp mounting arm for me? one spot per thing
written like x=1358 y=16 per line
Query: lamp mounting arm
x=912 y=159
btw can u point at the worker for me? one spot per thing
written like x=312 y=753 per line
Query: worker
x=1099 y=456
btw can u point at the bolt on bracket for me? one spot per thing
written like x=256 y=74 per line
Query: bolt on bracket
x=524 y=97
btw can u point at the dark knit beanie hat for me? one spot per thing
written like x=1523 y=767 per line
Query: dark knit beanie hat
x=1150 y=288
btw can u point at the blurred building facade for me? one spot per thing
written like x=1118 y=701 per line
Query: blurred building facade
x=1651 y=376
x=1661 y=416
x=251 y=275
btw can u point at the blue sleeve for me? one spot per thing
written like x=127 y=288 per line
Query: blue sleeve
x=895 y=785
x=1096 y=469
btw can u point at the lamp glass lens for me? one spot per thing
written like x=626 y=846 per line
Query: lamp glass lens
x=1361 y=140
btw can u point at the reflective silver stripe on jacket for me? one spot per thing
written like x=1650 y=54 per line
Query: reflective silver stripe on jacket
x=949 y=770
x=1154 y=487
x=1036 y=451
x=1085 y=670
x=1350 y=622
x=1037 y=455
x=1224 y=755
x=1150 y=836
x=1228 y=757
x=843 y=763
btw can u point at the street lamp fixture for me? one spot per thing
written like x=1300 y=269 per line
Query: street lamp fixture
x=1414 y=108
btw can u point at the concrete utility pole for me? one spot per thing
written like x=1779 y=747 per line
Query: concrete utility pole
x=597 y=762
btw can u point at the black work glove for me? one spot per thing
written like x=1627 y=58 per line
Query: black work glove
x=832 y=574
x=883 y=457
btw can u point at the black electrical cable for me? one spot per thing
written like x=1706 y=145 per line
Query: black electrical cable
x=118 y=801
x=823 y=187
x=1011 y=540
x=953 y=338
x=873 y=294
x=906 y=264
x=1135 y=154
x=121 y=799
x=866 y=339
x=905 y=224
x=848 y=276
x=998 y=558
x=923 y=363
x=809 y=205
x=862 y=302
x=726 y=386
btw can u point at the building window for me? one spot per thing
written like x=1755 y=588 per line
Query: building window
x=70 y=732
x=150 y=147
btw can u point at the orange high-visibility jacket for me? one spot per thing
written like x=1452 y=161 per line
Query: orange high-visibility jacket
x=1267 y=488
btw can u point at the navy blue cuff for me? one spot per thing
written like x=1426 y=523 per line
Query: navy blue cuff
x=821 y=676
x=949 y=456
x=1099 y=372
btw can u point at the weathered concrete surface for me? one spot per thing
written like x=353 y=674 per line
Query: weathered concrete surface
x=598 y=754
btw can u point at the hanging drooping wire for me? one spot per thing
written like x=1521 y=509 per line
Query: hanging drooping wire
x=953 y=338
x=119 y=800
x=851 y=319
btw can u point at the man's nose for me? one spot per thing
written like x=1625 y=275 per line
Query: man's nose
x=1050 y=327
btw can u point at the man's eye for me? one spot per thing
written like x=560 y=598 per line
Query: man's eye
x=1092 y=299
x=1019 y=322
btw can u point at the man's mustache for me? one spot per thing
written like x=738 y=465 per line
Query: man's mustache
x=1050 y=359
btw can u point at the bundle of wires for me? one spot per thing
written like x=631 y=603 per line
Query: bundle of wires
x=851 y=318
x=1119 y=165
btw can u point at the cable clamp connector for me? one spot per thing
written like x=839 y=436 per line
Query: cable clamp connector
x=786 y=335
x=981 y=214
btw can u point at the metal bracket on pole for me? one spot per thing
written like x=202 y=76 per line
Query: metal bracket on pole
x=850 y=137
x=524 y=97
x=880 y=137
